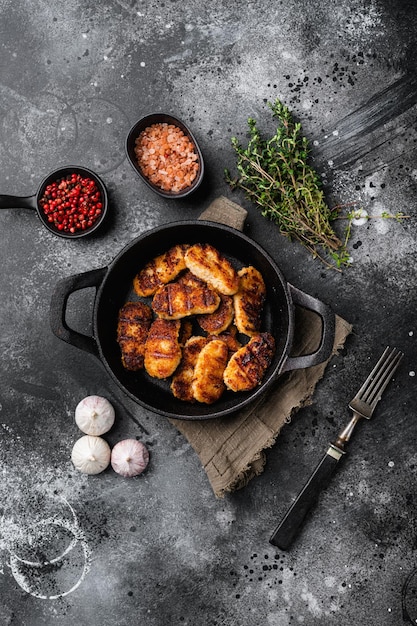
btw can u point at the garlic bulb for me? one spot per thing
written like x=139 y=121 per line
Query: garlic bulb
x=94 y=415
x=91 y=455
x=129 y=457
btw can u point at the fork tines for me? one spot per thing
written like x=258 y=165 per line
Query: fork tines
x=378 y=379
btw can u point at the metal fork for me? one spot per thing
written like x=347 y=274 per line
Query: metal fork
x=362 y=405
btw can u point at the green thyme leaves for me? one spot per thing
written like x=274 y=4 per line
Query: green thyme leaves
x=275 y=174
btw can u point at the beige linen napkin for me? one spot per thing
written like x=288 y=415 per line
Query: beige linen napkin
x=231 y=449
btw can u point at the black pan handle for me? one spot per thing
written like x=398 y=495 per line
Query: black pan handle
x=18 y=202
x=63 y=289
x=325 y=348
x=288 y=528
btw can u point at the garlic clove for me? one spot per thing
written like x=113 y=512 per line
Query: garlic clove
x=91 y=455
x=94 y=415
x=129 y=457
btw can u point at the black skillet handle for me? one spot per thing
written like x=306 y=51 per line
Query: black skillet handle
x=325 y=348
x=58 y=307
x=18 y=202
x=287 y=530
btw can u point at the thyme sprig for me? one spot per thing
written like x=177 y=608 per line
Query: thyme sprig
x=275 y=174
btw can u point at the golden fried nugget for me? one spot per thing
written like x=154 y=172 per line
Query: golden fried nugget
x=249 y=300
x=177 y=300
x=246 y=367
x=208 y=385
x=230 y=339
x=162 y=349
x=217 y=322
x=188 y=279
x=209 y=265
x=186 y=331
x=159 y=271
x=133 y=325
x=182 y=381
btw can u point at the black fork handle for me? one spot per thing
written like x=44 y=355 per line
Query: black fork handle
x=287 y=530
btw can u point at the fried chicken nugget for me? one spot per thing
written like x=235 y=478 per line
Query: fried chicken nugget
x=246 y=367
x=182 y=299
x=182 y=381
x=217 y=322
x=134 y=322
x=208 y=385
x=209 y=265
x=188 y=279
x=159 y=271
x=249 y=300
x=162 y=349
x=186 y=331
x=229 y=336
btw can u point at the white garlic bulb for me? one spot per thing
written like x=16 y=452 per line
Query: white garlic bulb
x=129 y=457
x=94 y=415
x=91 y=455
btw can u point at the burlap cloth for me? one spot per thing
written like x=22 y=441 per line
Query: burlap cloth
x=232 y=449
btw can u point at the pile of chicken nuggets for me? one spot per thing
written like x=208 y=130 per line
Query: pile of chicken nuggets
x=189 y=287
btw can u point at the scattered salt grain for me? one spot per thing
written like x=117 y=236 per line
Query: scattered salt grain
x=360 y=217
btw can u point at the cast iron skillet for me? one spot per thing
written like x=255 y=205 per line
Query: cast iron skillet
x=114 y=287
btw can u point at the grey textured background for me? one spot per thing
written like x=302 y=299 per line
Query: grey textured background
x=161 y=549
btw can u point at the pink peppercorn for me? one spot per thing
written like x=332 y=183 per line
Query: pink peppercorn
x=72 y=203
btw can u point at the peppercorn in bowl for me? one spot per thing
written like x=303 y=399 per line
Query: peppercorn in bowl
x=166 y=155
x=72 y=202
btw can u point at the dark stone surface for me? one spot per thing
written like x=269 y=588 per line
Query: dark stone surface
x=161 y=549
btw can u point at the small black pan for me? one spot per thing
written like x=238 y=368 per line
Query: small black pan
x=114 y=287
x=33 y=202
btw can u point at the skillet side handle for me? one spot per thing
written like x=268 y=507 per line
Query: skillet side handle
x=63 y=289
x=328 y=319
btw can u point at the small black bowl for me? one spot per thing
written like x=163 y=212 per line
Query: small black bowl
x=33 y=202
x=160 y=118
